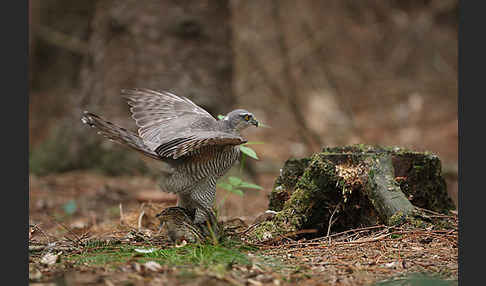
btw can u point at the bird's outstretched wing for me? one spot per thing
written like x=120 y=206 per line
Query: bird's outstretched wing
x=181 y=146
x=160 y=116
x=174 y=126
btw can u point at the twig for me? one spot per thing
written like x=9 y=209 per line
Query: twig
x=373 y=239
x=121 y=214
x=287 y=235
x=36 y=227
x=436 y=214
x=356 y=230
x=36 y=247
x=331 y=222
x=140 y=220
x=77 y=238
x=249 y=228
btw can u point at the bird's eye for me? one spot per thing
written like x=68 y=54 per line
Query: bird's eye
x=247 y=117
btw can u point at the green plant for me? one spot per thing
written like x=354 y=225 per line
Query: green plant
x=235 y=184
x=205 y=255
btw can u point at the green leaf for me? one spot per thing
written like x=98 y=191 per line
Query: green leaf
x=225 y=186
x=235 y=181
x=254 y=143
x=237 y=191
x=249 y=152
x=250 y=186
x=220 y=116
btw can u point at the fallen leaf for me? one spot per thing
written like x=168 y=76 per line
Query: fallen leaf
x=152 y=266
x=141 y=250
x=393 y=264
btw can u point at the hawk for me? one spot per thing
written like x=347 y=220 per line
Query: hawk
x=198 y=148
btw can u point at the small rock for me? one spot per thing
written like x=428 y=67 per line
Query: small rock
x=264 y=278
x=136 y=266
x=50 y=258
x=393 y=264
x=34 y=273
x=267 y=235
x=79 y=224
x=152 y=266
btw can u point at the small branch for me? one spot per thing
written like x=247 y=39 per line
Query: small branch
x=331 y=222
x=36 y=227
x=121 y=214
x=290 y=234
x=77 y=238
x=140 y=217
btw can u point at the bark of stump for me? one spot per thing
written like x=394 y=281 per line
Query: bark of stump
x=358 y=185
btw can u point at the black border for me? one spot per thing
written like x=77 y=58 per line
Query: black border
x=14 y=138
x=471 y=80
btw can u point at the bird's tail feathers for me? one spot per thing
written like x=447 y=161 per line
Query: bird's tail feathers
x=117 y=134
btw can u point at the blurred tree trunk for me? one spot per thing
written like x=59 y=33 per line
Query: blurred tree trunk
x=180 y=46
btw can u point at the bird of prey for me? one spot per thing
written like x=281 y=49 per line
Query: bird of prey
x=198 y=148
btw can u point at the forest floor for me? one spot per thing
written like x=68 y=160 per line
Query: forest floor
x=91 y=229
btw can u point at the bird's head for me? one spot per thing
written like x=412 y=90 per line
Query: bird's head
x=240 y=119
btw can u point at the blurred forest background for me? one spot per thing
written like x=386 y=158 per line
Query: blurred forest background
x=320 y=73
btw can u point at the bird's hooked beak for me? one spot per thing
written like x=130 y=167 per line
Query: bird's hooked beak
x=254 y=122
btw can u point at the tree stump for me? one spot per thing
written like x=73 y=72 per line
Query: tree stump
x=355 y=186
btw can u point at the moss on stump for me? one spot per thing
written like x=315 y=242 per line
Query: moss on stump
x=357 y=185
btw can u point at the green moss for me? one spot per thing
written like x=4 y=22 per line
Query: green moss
x=364 y=149
x=285 y=183
x=419 y=219
x=273 y=228
x=423 y=181
x=397 y=219
x=310 y=189
x=418 y=223
x=315 y=192
x=444 y=224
